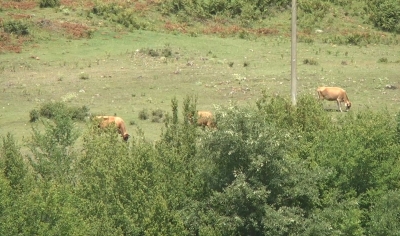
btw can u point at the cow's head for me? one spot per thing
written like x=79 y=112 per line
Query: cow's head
x=126 y=137
x=348 y=105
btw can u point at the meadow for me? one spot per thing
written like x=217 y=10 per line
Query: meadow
x=270 y=168
x=117 y=71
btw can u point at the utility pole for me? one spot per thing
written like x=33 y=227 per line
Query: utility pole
x=294 y=53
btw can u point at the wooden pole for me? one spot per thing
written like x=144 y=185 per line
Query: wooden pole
x=294 y=53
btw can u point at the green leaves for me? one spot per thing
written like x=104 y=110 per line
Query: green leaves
x=386 y=15
x=273 y=169
x=384 y=214
x=52 y=152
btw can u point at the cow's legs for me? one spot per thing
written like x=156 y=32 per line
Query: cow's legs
x=339 y=105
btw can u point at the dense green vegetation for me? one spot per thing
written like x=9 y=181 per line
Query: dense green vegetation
x=343 y=21
x=269 y=169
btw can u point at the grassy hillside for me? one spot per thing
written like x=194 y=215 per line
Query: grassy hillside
x=71 y=54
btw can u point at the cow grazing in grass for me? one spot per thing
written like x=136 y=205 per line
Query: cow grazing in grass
x=334 y=94
x=117 y=121
x=204 y=119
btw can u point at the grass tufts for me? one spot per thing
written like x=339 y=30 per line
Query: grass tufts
x=34 y=115
x=310 y=62
x=383 y=60
x=84 y=76
x=144 y=114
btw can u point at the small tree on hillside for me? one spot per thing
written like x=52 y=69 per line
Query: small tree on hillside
x=52 y=151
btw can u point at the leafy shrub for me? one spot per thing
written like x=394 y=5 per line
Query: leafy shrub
x=119 y=14
x=78 y=113
x=158 y=113
x=246 y=9
x=385 y=14
x=383 y=60
x=310 y=61
x=156 y=119
x=17 y=27
x=385 y=214
x=358 y=38
x=34 y=115
x=144 y=114
x=269 y=169
x=165 y=52
x=398 y=127
x=153 y=53
x=157 y=116
x=52 y=159
x=50 y=110
x=14 y=168
x=49 y=3
x=84 y=76
x=314 y=7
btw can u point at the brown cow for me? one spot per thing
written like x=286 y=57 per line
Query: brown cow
x=204 y=119
x=117 y=121
x=334 y=94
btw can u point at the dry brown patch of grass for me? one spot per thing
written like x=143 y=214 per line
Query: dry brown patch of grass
x=175 y=27
x=72 y=29
x=9 y=43
x=19 y=16
x=74 y=4
x=23 y=5
x=141 y=6
x=75 y=29
x=221 y=29
x=266 y=31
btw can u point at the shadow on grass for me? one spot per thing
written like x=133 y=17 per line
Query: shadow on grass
x=331 y=110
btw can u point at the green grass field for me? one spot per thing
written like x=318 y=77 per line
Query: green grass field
x=113 y=72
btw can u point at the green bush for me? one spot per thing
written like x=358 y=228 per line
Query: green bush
x=245 y=9
x=52 y=157
x=158 y=116
x=269 y=169
x=78 y=113
x=385 y=214
x=119 y=14
x=17 y=27
x=14 y=167
x=311 y=61
x=144 y=114
x=34 y=115
x=51 y=109
x=383 y=60
x=385 y=14
x=49 y=3
x=83 y=76
x=158 y=113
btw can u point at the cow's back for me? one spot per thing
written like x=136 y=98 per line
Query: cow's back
x=205 y=114
x=105 y=120
x=330 y=93
x=205 y=118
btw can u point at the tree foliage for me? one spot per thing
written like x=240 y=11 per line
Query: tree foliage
x=271 y=169
x=385 y=14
